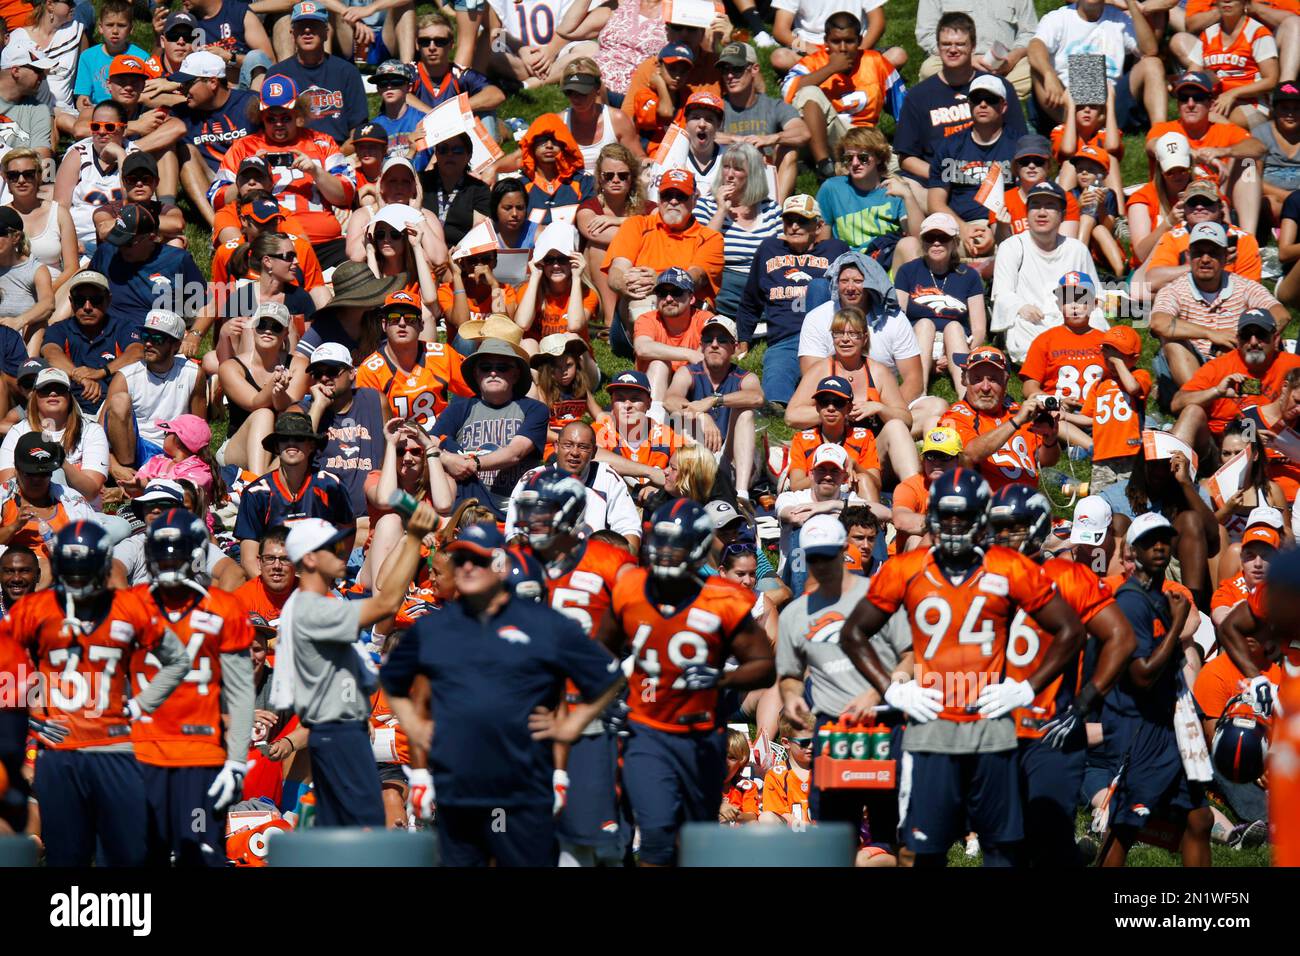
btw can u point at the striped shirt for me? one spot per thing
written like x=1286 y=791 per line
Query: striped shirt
x=1182 y=299
x=738 y=245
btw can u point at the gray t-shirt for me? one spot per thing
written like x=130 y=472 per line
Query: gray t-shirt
x=330 y=679
x=131 y=553
x=31 y=124
x=18 y=287
x=809 y=638
x=768 y=115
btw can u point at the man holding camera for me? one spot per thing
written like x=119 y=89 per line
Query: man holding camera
x=1006 y=442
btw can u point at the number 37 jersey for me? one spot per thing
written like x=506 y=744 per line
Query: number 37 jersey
x=662 y=646
x=959 y=631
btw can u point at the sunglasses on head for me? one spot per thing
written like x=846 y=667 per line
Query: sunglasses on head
x=106 y=126
x=271 y=326
x=616 y=176
x=739 y=547
x=398 y=317
x=439 y=42
x=17 y=175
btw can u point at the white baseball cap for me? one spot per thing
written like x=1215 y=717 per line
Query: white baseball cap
x=1173 y=151
x=200 y=65
x=835 y=454
x=24 y=54
x=55 y=375
x=823 y=535
x=312 y=534
x=1260 y=514
x=334 y=353
x=987 y=83
x=1144 y=524
x=722 y=322
x=1091 y=522
x=168 y=323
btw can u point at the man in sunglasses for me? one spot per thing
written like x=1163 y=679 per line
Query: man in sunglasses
x=439 y=78
x=22 y=73
x=669 y=337
x=961 y=162
x=940 y=450
x=749 y=115
x=1219 y=150
x=1169 y=259
x=834 y=400
x=91 y=347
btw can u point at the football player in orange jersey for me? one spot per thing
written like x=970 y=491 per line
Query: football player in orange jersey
x=680 y=631
x=80 y=635
x=1052 y=740
x=1278 y=602
x=192 y=752
x=581 y=575
x=960 y=601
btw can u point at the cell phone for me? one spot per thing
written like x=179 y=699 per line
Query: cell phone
x=1252 y=386
x=279 y=159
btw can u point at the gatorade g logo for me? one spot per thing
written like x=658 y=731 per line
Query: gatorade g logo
x=322 y=102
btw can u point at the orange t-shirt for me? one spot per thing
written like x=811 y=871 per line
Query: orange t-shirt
x=1220 y=681
x=1243 y=252
x=552 y=317
x=1218 y=136
x=1019 y=212
x=308 y=264
x=256 y=599
x=1229 y=593
x=1223 y=410
x=873 y=79
x=1116 y=424
x=480 y=306
x=1016 y=462
x=646 y=243
x=1097 y=141
x=1195 y=7
x=783 y=791
x=649 y=326
x=1064 y=362
x=858 y=442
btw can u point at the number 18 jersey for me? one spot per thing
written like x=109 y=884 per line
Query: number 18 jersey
x=959 y=631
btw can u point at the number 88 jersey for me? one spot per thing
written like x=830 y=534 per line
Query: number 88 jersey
x=699 y=632
x=959 y=631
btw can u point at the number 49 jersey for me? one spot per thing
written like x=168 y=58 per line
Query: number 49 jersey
x=959 y=631
x=700 y=632
x=84 y=677
x=186 y=730
x=1027 y=644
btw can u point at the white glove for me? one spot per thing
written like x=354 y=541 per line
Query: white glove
x=1000 y=699
x=134 y=711
x=560 y=788
x=421 y=795
x=1262 y=693
x=230 y=781
x=920 y=704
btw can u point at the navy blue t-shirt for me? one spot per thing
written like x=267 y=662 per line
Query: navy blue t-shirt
x=336 y=96
x=934 y=111
x=354 y=442
x=212 y=131
x=12 y=351
x=470 y=424
x=268 y=501
x=84 y=351
x=939 y=298
x=168 y=279
x=224 y=29
x=486 y=677
x=1154 y=704
x=574 y=192
x=961 y=164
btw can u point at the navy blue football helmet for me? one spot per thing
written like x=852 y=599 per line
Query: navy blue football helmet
x=678 y=538
x=1019 y=508
x=82 y=559
x=550 y=504
x=1240 y=746
x=525 y=577
x=958 y=513
x=176 y=547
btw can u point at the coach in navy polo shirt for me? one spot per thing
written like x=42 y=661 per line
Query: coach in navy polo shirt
x=91 y=347
x=496 y=667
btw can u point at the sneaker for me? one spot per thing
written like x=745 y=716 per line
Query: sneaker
x=973 y=847
x=825 y=169
x=1247 y=836
x=764 y=41
x=1079 y=453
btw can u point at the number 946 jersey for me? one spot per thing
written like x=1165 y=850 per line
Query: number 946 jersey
x=959 y=631
x=700 y=632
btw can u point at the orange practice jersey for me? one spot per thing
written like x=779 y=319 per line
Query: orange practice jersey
x=186 y=730
x=858 y=442
x=783 y=791
x=424 y=392
x=1028 y=643
x=308 y=264
x=1236 y=61
x=84 y=676
x=1016 y=462
x=860 y=96
x=584 y=593
x=746 y=795
x=699 y=632
x=1230 y=592
x=657 y=442
x=1063 y=363
x=959 y=631
x=254 y=597
x=1116 y=424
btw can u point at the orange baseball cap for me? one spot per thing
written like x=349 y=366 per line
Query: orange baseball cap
x=1124 y=340
x=706 y=99
x=1263 y=533
x=681 y=180
x=1093 y=153
x=127 y=65
x=401 y=297
x=989 y=354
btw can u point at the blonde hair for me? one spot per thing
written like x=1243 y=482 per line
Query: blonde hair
x=737 y=745
x=71 y=431
x=582 y=66
x=869 y=139
x=696 y=470
x=620 y=153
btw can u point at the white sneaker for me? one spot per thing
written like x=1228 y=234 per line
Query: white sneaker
x=973 y=847
x=764 y=40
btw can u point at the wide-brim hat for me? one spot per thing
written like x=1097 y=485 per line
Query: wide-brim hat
x=292 y=425
x=553 y=346
x=502 y=349
x=356 y=286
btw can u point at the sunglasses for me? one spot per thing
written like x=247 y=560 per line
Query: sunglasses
x=862 y=158
x=465 y=556
x=107 y=126
x=985 y=100
x=1198 y=97
x=495 y=368
x=136 y=179
x=717 y=338
x=674 y=196
x=283 y=256
x=25 y=175
x=51 y=390
x=473 y=262
x=179 y=36
x=619 y=177
x=938 y=457
x=79 y=298
x=546 y=139
x=1036 y=161
x=803 y=743
x=326 y=371
x=728 y=69
x=937 y=239
x=671 y=292
x=412 y=451
x=449 y=150
x=1200 y=203
x=439 y=42
x=832 y=403
x=156 y=338
x=739 y=547
x=396 y=83
x=555 y=261
x=412 y=319
x=389 y=234
x=270 y=326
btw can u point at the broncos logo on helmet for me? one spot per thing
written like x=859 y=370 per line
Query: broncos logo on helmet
x=82 y=559
x=176 y=548
x=1240 y=746
x=1018 y=508
x=678 y=539
x=550 y=504
x=958 y=513
x=524 y=576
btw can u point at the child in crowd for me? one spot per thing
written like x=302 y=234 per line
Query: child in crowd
x=1098 y=209
x=785 y=788
x=563 y=383
x=1116 y=407
x=185 y=455
x=742 y=796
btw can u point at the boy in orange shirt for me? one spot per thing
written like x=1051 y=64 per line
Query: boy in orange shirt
x=939 y=452
x=785 y=789
x=742 y=797
x=1116 y=407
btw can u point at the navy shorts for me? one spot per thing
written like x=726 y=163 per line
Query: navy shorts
x=512 y=836
x=672 y=779
x=593 y=815
x=1155 y=784
x=88 y=798
x=183 y=823
x=1049 y=789
x=951 y=792
x=345 y=776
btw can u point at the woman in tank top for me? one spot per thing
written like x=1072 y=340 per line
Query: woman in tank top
x=618 y=195
x=54 y=32
x=26 y=291
x=250 y=378
x=48 y=226
x=593 y=124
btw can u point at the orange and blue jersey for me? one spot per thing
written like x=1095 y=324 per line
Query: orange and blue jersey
x=422 y=393
x=269 y=501
x=783 y=790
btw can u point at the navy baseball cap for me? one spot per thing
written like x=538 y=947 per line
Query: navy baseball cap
x=309 y=10
x=834 y=385
x=482 y=539
x=677 y=278
x=1032 y=144
x=631 y=379
x=1049 y=190
x=256 y=165
x=30 y=369
x=676 y=53
x=1257 y=319
x=279 y=91
x=371 y=133
x=263 y=210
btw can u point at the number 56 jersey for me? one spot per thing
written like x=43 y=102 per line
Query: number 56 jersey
x=700 y=632
x=959 y=631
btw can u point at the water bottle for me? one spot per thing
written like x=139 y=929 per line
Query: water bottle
x=1067 y=486
x=517 y=126
x=403 y=504
x=47 y=535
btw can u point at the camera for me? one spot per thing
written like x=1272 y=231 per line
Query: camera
x=1252 y=386
x=1051 y=404
x=279 y=159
